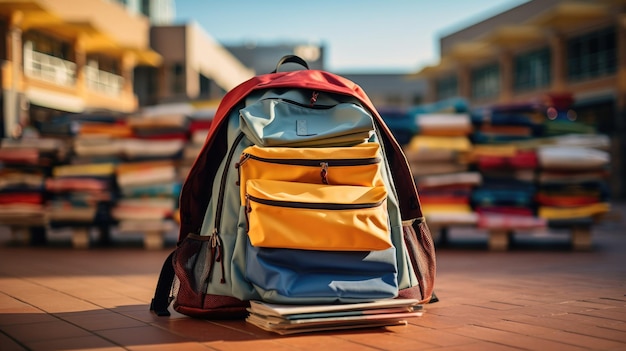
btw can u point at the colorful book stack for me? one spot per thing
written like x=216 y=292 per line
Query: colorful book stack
x=438 y=155
x=292 y=319
x=574 y=161
x=198 y=132
x=148 y=180
x=82 y=189
x=505 y=200
x=79 y=194
x=573 y=178
x=24 y=165
x=148 y=193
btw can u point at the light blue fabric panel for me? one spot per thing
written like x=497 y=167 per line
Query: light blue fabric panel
x=278 y=122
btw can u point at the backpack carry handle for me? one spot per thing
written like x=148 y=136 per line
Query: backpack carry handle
x=290 y=59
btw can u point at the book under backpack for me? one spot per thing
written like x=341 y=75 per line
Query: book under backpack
x=300 y=195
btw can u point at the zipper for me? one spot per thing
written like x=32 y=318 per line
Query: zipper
x=312 y=103
x=307 y=162
x=323 y=164
x=217 y=250
x=309 y=205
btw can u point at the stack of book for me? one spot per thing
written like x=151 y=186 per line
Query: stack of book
x=438 y=156
x=148 y=192
x=24 y=165
x=292 y=319
x=77 y=192
x=147 y=179
x=504 y=155
x=573 y=180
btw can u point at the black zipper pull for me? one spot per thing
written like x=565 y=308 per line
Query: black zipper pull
x=242 y=159
x=218 y=252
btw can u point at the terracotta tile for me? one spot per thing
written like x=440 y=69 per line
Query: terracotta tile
x=182 y=346
x=140 y=336
x=275 y=344
x=512 y=339
x=8 y=344
x=43 y=331
x=442 y=338
x=379 y=339
x=206 y=331
x=100 y=320
x=90 y=342
x=8 y=318
x=521 y=299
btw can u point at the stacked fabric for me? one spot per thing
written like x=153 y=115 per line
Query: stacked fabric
x=148 y=179
x=101 y=141
x=24 y=165
x=148 y=191
x=505 y=200
x=198 y=132
x=80 y=194
x=573 y=181
x=439 y=159
x=82 y=189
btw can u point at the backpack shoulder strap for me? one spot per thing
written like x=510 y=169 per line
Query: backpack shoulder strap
x=161 y=300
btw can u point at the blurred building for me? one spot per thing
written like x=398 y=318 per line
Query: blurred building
x=542 y=47
x=388 y=90
x=194 y=67
x=262 y=58
x=61 y=56
x=158 y=11
x=384 y=89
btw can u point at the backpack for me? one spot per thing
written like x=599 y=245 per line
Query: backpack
x=300 y=195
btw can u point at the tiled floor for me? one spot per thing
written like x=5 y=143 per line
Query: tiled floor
x=538 y=296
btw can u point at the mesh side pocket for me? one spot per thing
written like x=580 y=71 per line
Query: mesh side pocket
x=421 y=249
x=192 y=265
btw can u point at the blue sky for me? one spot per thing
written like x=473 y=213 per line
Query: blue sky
x=359 y=35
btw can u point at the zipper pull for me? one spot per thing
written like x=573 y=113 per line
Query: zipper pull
x=242 y=159
x=218 y=251
x=314 y=96
x=324 y=172
x=248 y=210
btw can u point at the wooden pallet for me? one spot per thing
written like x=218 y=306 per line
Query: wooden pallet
x=499 y=239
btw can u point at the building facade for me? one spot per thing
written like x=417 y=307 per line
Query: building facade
x=194 y=67
x=538 y=48
x=69 y=56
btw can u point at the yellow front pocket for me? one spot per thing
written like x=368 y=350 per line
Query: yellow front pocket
x=351 y=165
x=317 y=216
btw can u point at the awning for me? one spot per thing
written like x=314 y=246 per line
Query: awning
x=470 y=51
x=515 y=35
x=148 y=57
x=55 y=100
x=444 y=65
x=571 y=15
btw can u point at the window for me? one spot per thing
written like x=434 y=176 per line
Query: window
x=447 y=87
x=106 y=63
x=205 y=86
x=48 y=45
x=145 y=7
x=532 y=70
x=178 y=78
x=592 y=55
x=485 y=81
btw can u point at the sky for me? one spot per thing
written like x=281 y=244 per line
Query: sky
x=359 y=36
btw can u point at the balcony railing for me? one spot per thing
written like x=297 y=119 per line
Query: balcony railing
x=47 y=67
x=62 y=72
x=102 y=81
